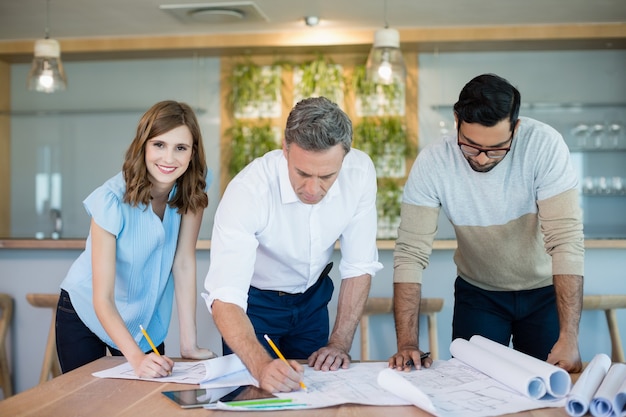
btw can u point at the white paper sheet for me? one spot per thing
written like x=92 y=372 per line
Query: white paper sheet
x=603 y=402
x=236 y=379
x=192 y=372
x=580 y=396
x=557 y=381
x=393 y=382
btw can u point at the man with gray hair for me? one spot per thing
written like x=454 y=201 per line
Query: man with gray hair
x=274 y=234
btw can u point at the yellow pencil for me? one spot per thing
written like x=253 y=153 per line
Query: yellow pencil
x=154 y=349
x=280 y=355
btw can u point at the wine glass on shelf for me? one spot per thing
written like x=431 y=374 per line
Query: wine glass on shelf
x=618 y=185
x=588 y=186
x=595 y=135
x=614 y=131
x=603 y=186
x=580 y=132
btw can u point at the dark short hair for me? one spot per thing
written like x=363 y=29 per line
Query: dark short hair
x=488 y=99
x=316 y=124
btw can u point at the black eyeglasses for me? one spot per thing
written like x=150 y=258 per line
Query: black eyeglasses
x=493 y=153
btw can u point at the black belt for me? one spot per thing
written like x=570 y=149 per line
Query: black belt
x=322 y=275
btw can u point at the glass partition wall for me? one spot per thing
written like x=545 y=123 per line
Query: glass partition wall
x=65 y=144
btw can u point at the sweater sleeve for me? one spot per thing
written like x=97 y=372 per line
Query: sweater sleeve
x=561 y=224
x=418 y=227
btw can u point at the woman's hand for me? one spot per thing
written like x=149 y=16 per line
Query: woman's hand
x=153 y=366
x=198 y=353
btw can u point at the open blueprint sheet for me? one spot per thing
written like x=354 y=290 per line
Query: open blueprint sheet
x=483 y=379
x=448 y=388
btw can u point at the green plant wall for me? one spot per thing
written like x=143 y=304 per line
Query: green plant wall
x=377 y=112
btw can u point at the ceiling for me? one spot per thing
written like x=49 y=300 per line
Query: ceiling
x=26 y=19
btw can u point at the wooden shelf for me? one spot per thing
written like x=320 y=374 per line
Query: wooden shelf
x=424 y=39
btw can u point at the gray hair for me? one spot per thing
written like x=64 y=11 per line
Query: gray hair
x=317 y=124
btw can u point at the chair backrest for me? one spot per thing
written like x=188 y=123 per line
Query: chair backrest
x=50 y=365
x=429 y=307
x=6 y=315
x=609 y=303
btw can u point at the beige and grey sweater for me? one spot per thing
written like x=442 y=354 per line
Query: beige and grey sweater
x=516 y=226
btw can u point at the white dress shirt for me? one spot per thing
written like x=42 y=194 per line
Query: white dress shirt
x=264 y=236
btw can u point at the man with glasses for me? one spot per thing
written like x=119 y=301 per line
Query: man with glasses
x=507 y=185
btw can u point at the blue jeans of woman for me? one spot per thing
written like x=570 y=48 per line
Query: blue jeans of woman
x=76 y=344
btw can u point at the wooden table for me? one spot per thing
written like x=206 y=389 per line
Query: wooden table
x=78 y=393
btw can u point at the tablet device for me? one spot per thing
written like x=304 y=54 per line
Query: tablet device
x=199 y=397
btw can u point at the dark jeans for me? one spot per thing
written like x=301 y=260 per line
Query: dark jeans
x=76 y=344
x=528 y=318
x=296 y=323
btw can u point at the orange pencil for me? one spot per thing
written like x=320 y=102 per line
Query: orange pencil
x=280 y=355
x=154 y=349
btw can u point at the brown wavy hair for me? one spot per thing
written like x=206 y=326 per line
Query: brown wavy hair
x=190 y=187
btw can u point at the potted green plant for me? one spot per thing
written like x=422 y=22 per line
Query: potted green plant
x=376 y=99
x=385 y=140
x=249 y=141
x=388 y=206
x=255 y=90
x=319 y=77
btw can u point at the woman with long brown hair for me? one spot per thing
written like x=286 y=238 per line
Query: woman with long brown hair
x=141 y=245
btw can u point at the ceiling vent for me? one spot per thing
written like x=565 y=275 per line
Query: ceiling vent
x=216 y=13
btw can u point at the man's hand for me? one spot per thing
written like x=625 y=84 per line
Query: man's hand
x=329 y=358
x=277 y=376
x=407 y=358
x=565 y=355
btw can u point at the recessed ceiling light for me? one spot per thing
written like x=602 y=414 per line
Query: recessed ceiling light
x=213 y=15
x=311 y=20
x=216 y=13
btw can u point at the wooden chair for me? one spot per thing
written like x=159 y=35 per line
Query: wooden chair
x=384 y=305
x=50 y=365
x=6 y=311
x=609 y=303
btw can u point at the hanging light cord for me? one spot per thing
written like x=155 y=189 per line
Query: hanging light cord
x=47 y=19
x=385 y=14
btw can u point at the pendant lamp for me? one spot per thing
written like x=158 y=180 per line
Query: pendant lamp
x=385 y=64
x=46 y=72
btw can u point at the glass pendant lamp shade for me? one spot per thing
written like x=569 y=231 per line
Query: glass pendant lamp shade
x=46 y=73
x=385 y=64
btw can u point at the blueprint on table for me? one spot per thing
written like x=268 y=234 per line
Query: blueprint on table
x=455 y=389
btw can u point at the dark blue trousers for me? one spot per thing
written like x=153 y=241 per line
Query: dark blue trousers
x=297 y=323
x=76 y=344
x=528 y=318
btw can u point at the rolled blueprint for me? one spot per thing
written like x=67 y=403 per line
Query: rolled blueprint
x=582 y=393
x=557 y=380
x=619 y=404
x=392 y=381
x=602 y=404
x=505 y=371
